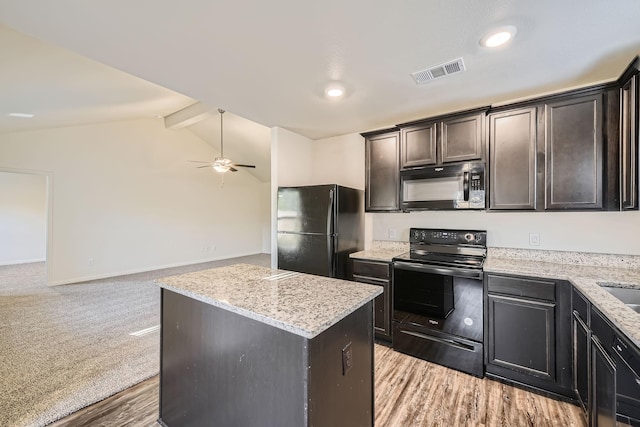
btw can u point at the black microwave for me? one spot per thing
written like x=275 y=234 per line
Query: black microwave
x=459 y=186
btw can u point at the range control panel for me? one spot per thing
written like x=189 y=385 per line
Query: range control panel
x=448 y=237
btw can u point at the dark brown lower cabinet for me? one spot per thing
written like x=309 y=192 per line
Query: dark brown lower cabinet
x=377 y=273
x=603 y=386
x=522 y=336
x=606 y=366
x=528 y=333
x=581 y=359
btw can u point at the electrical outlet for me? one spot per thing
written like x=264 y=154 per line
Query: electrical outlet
x=534 y=239
x=393 y=233
x=90 y=262
x=347 y=359
x=212 y=247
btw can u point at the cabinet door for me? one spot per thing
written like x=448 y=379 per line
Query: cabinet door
x=512 y=148
x=381 y=307
x=603 y=386
x=462 y=138
x=381 y=315
x=522 y=335
x=581 y=359
x=382 y=172
x=574 y=152
x=629 y=144
x=418 y=145
x=377 y=273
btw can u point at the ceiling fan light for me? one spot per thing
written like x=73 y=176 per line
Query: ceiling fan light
x=334 y=90
x=221 y=168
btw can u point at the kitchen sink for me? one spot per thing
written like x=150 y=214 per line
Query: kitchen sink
x=629 y=296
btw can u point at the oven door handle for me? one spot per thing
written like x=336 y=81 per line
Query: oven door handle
x=447 y=341
x=421 y=268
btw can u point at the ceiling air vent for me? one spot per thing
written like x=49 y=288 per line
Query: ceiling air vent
x=442 y=70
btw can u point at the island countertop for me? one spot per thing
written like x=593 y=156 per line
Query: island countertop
x=302 y=304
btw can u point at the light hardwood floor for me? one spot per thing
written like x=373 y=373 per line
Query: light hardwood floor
x=408 y=392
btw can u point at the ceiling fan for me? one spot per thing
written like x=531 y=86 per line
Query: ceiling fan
x=222 y=164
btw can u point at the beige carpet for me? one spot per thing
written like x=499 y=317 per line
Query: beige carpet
x=63 y=348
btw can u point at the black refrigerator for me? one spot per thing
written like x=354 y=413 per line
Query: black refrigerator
x=318 y=227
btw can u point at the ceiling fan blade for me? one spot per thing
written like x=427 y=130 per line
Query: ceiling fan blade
x=205 y=166
x=197 y=161
x=232 y=169
x=244 y=166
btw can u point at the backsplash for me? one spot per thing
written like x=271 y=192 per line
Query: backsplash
x=567 y=257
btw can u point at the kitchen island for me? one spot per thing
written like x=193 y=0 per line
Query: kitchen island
x=251 y=346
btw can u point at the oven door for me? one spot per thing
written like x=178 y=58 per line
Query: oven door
x=438 y=315
x=449 y=300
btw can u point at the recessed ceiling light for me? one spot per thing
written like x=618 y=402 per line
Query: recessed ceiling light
x=23 y=115
x=334 y=90
x=498 y=37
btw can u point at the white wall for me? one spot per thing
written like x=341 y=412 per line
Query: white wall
x=265 y=205
x=339 y=160
x=23 y=218
x=291 y=158
x=125 y=197
x=602 y=232
x=291 y=164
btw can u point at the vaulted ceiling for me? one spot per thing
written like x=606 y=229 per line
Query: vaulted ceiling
x=270 y=61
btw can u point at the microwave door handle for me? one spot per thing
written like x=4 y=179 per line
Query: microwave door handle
x=465 y=186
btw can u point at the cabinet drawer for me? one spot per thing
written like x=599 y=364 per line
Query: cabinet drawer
x=580 y=304
x=377 y=269
x=522 y=287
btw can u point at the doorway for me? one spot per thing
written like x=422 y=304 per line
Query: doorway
x=25 y=218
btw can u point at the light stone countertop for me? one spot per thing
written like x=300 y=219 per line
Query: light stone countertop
x=302 y=304
x=382 y=251
x=585 y=278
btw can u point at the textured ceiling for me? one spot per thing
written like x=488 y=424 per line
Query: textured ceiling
x=269 y=61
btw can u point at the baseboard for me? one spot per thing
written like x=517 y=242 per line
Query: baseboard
x=22 y=261
x=144 y=270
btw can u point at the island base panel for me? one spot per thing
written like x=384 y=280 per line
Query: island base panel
x=221 y=368
x=337 y=399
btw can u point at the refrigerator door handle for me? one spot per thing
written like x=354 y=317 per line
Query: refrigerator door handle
x=333 y=256
x=331 y=210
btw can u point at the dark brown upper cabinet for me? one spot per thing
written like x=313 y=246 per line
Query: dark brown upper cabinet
x=419 y=145
x=461 y=138
x=574 y=153
x=445 y=139
x=559 y=152
x=382 y=171
x=629 y=132
x=512 y=154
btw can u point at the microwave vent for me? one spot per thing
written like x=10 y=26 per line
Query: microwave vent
x=438 y=71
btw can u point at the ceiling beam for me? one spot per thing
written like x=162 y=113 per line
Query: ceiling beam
x=187 y=116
